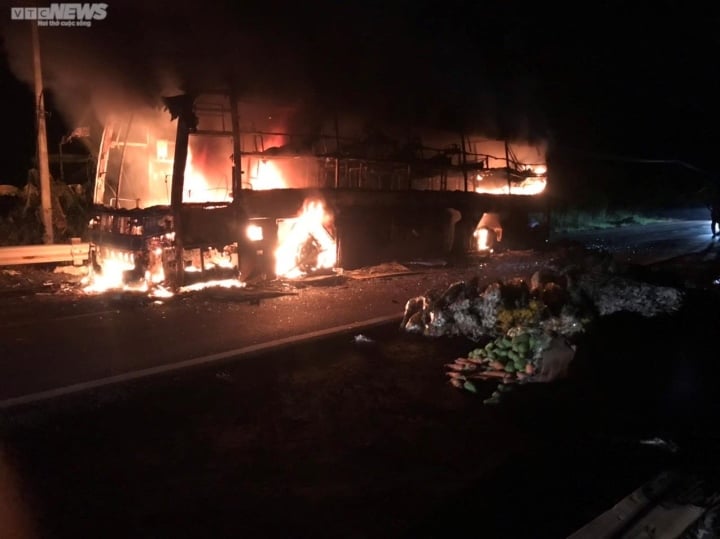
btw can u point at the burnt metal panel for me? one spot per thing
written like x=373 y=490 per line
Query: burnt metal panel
x=205 y=226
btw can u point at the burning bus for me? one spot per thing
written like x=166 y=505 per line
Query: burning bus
x=208 y=187
x=164 y=199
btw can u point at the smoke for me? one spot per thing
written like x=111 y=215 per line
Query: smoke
x=376 y=65
x=89 y=71
x=139 y=53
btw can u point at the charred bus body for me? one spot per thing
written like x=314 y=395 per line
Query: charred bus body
x=210 y=187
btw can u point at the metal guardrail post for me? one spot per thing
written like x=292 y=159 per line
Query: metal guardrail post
x=78 y=253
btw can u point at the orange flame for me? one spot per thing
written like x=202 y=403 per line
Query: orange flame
x=115 y=265
x=489 y=222
x=529 y=186
x=304 y=243
x=196 y=186
x=482 y=239
x=267 y=176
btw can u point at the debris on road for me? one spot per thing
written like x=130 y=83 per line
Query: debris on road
x=562 y=301
x=362 y=339
x=519 y=356
x=529 y=330
x=437 y=263
x=72 y=270
x=390 y=269
x=610 y=294
x=662 y=444
x=224 y=376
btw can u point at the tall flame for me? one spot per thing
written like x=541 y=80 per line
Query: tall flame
x=481 y=235
x=304 y=243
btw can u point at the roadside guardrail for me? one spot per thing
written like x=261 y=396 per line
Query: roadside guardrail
x=75 y=252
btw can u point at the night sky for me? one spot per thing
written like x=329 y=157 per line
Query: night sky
x=596 y=80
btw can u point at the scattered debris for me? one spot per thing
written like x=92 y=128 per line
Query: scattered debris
x=362 y=339
x=320 y=279
x=381 y=270
x=529 y=330
x=11 y=272
x=224 y=376
x=509 y=359
x=439 y=263
x=663 y=444
x=385 y=268
x=66 y=288
x=72 y=270
x=611 y=294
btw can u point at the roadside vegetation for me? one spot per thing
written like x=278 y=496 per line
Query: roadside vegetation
x=21 y=212
x=566 y=220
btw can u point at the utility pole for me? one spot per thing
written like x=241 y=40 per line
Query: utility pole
x=42 y=151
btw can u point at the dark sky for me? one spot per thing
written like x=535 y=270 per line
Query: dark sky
x=603 y=77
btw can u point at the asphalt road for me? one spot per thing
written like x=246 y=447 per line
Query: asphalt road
x=62 y=341
x=651 y=243
x=332 y=439
x=335 y=438
x=57 y=340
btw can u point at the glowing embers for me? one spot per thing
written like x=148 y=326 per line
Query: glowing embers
x=211 y=260
x=204 y=285
x=305 y=243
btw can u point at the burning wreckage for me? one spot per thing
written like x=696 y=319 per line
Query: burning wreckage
x=527 y=332
x=220 y=188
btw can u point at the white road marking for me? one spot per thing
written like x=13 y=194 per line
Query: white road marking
x=198 y=361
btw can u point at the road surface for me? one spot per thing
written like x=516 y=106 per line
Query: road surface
x=651 y=243
x=333 y=438
x=58 y=340
x=65 y=340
